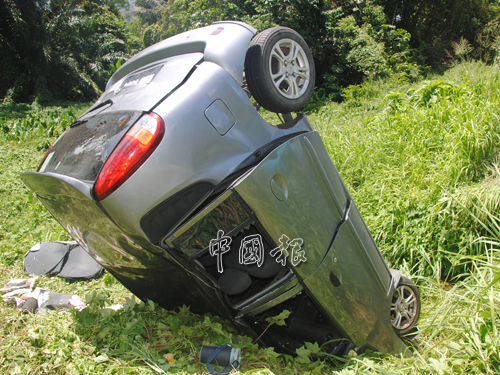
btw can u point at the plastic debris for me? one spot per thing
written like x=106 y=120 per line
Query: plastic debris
x=38 y=300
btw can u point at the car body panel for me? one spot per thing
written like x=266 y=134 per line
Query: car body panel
x=146 y=270
x=336 y=243
x=296 y=167
x=347 y=285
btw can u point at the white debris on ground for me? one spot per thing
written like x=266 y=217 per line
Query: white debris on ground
x=21 y=293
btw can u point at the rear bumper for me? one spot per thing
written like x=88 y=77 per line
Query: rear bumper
x=146 y=270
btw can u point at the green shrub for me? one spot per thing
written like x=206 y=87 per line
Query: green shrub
x=45 y=123
x=152 y=35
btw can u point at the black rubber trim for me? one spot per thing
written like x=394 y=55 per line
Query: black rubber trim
x=157 y=222
x=100 y=105
x=190 y=73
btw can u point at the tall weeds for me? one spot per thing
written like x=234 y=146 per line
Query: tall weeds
x=410 y=160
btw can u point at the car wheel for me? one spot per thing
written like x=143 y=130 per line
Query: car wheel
x=279 y=70
x=405 y=307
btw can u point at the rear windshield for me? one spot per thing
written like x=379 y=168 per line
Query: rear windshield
x=84 y=147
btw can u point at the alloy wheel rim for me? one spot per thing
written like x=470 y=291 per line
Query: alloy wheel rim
x=289 y=68
x=403 y=307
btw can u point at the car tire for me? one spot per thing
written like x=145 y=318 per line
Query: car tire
x=279 y=70
x=405 y=307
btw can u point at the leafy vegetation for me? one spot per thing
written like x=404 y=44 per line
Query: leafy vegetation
x=58 y=49
x=420 y=159
x=22 y=147
x=67 y=49
x=347 y=47
x=351 y=40
x=38 y=122
x=436 y=25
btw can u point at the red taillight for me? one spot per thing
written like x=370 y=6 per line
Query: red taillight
x=139 y=142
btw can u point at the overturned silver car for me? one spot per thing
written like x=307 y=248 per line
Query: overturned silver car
x=179 y=188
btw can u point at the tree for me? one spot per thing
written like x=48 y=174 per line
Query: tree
x=436 y=24
x=58 y=49
x=350 y=40
x=22 y=36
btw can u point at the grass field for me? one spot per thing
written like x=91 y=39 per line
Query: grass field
x=422 y=163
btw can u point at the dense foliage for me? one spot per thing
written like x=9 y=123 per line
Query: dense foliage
x=438 y=26
x=423 y=165
x=351 y=40
x=58 y=49
x=347 y=47
x=67 y=49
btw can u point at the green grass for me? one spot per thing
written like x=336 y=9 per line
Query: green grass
x=421 y=161
x=410 y=156
x=21 y=122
